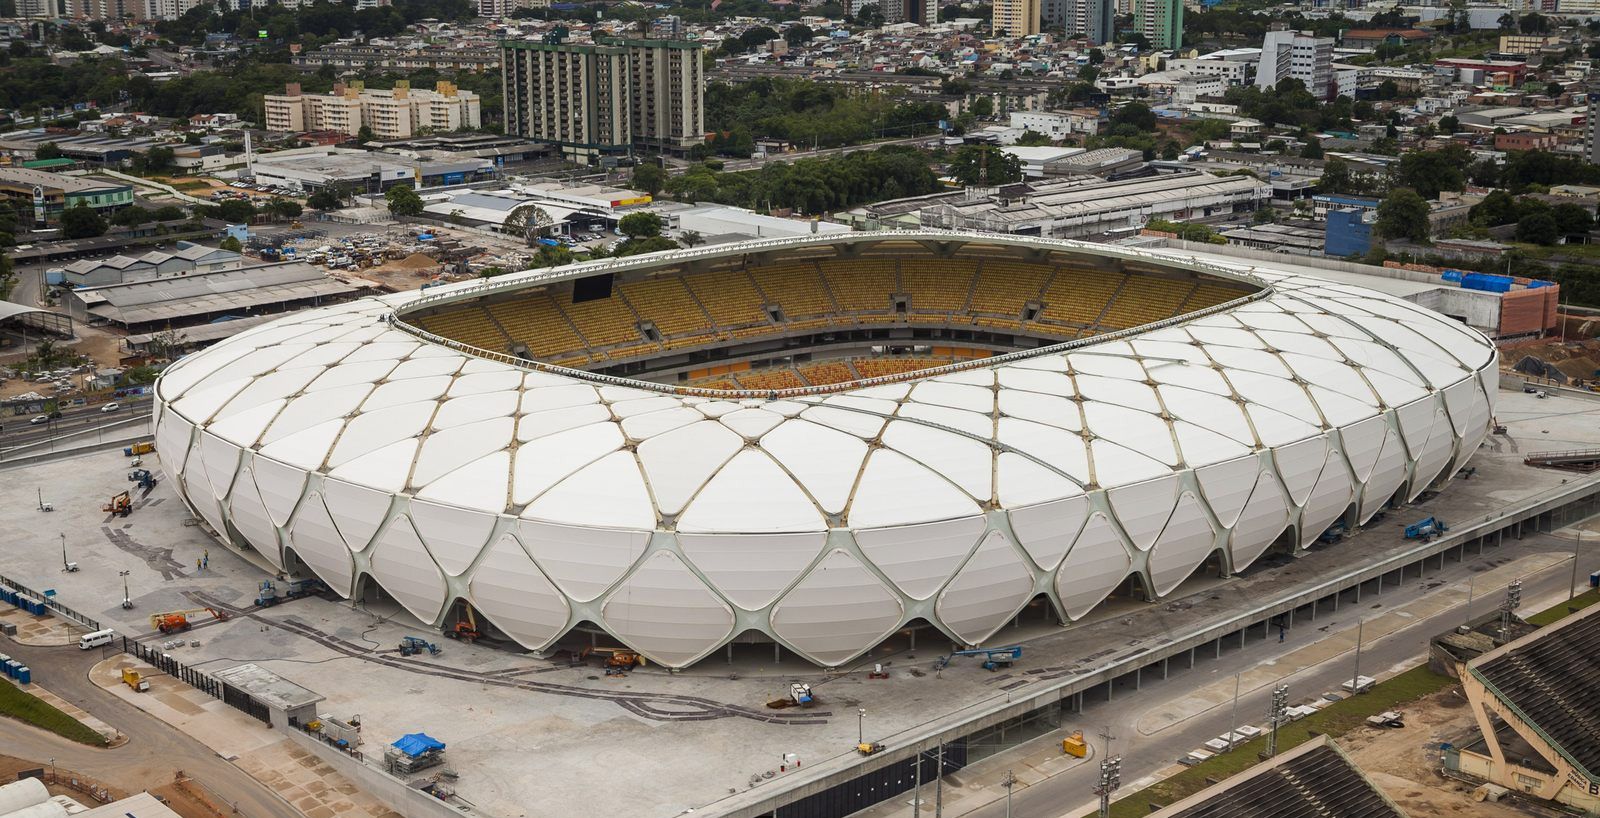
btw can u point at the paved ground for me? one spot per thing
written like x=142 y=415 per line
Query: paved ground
x=522 y=729
x=153 y=754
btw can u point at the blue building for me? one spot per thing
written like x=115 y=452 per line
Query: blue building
x=1349 y=232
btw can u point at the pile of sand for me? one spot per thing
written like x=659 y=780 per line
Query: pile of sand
x=416 y=261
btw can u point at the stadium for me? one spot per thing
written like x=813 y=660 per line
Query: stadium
x=817 y=442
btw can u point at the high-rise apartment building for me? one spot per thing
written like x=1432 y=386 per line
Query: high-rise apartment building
x=1591 y=131
x=399 y=113
x=1160 y=21
x=1089 y=19
x=1297 y=55
x=1017 y=18
x=606 y=98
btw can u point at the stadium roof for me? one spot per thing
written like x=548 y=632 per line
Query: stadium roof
x=177 y=297
x=1314 y=780
x=1060 y=470
x=1551 y=679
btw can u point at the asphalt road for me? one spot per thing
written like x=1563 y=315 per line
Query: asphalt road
x=1145 y=755
x=154 y=751
x=16 y=430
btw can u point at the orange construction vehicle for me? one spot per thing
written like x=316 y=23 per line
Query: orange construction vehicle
x=121 y=505
x=466 y=629
x=615 y=657
x=178 y=621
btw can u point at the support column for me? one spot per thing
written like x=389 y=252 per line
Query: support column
x=777 y=653
x=1219 y=647
x=1358 y=592
x=1164 y=668
x=1289 y=618
x=1191 y=658
x=730 y=653
x=1110 y=685
x=1138 y=678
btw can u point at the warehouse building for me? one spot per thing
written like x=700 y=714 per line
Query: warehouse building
x=46 y=194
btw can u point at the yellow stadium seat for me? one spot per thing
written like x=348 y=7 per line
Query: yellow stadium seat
x=860 y=285
x=795 y=287
x=938 y=285
x=1005 y=287
x=730 y=297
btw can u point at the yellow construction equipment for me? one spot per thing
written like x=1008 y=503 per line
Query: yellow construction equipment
x=1073 y=745
x=121 y=505
x=867 y=748
x=178 y=621
x=133 y=679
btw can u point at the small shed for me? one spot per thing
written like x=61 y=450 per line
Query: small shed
x=284 y=699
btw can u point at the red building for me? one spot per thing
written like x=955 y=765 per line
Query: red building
x=1524 y=141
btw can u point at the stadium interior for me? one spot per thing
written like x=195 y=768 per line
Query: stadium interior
x=823 y=315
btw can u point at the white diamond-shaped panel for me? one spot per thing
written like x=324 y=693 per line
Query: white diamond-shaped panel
x=665 y=612
x=988 y=590
x=837 y=612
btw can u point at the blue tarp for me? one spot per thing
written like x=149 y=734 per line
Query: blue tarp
x=415 y=744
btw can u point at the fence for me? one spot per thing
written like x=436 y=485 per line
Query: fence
x=51 y=603
x=197 y=679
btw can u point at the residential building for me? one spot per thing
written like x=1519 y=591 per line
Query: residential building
x=668 y=27
x=1525 y=142
x=37 y=8
x=1229 y=71
x=606 y=98
x=1017 y=18
x=1160 y=21
x=398 y=113
x=1297 y=55
x=1525 y=43
x=1057 y=125
x=394 y=58
x=1591 y=131
x=1089 y=19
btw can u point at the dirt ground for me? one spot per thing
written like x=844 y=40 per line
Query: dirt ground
x=105 y=348
x=184 y=798
x=1404 y=762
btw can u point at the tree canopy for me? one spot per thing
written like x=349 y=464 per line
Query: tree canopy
x=985 y=165
x=1403 y=215
x=403 y=201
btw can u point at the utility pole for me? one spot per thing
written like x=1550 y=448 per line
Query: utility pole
x=916 y=790
x=938 y=784
x=1280 y=706
x=1009 y=782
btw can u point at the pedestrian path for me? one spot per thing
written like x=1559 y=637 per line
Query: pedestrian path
x=1492 y=582
x=41 y=631
x=296 y=775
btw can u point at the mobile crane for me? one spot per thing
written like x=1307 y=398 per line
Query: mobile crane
x=178 y=621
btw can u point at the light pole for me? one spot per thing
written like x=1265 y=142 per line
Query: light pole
x=1110 y=780
x=64 y=564
x=1280 y=705
x=1234 y=719
x=1512 y=601
x=861 y=735
x=127 y=601
x=1009 y=782
x=1355 y=679
x=1572 y=588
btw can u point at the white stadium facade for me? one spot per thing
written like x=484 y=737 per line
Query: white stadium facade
x=1139 y=418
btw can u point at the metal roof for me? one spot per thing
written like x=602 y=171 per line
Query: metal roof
x=176 y=297
x=1314 y=780
x=1551 y=678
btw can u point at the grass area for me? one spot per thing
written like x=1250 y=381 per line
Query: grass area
x=28 y=708
x=1559 y=251
x=1334 y=720
x=1556 y=613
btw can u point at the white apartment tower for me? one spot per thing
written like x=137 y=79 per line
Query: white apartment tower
x=1297 y=55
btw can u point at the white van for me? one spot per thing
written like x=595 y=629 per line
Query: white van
x=96 y=639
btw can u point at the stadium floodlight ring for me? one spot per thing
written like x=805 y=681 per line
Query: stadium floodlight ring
x=352 y=441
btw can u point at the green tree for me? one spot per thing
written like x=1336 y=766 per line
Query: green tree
x=284 y=208
x=1336 y=177
x=8 y=278
x=403 y=201
x=1554 y=89
x=798 y=33
x=48 y=150
x=1403 y=215
x=155 y=160
x=1032 y=139
x=1498 y=208
x=983 y=107
x=236 y=211
x=1312 y=149
x=1449 y=124
x=641 y=225
x=649 y=177
x=365 y=134
x=648 y=244
x=1572 y=219
x=167 y=213
x=1429 y=172
x=1538 y=227
x=131 y=217
x=691 y=238
x=81 y=222
x=1136 y=114
x=231 y=243
x=325 y=200
x=985 y=165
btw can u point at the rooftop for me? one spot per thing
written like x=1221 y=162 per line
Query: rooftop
x=179 y=297
x=46 y=179
x=268 y=687
x=1311 y=781
x=1551 y=678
